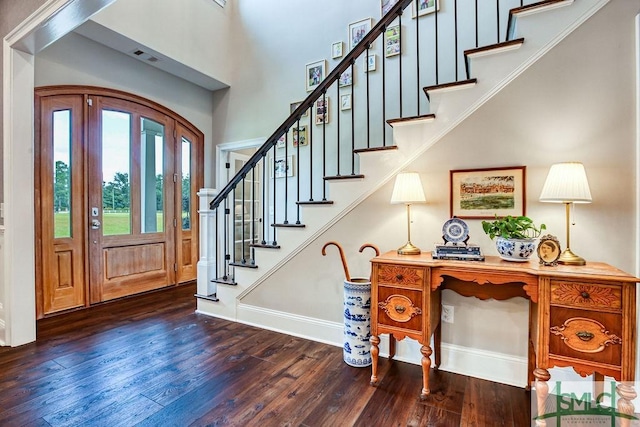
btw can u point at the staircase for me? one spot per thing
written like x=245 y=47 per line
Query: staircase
x=371 y=146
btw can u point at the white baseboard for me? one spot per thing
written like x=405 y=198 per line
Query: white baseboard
x=488 y=365
x=2 y=333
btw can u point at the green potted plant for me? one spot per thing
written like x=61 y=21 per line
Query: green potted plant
x=514 y=235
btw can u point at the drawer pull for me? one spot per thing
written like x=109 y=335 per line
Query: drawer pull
x=584 y=335
x=399 y=277
x=584 y=295
x=399 y=308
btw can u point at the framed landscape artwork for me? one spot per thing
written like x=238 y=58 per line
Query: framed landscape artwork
x=485 y=193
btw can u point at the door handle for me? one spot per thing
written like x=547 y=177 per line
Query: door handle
x=95 y=224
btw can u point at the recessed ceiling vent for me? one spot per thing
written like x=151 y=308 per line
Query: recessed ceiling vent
x=141 y=54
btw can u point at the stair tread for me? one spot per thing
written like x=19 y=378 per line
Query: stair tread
x=211 y=297
x=336 y=177
x=538 y=5
x=510 y=44
x=372 y=149
x=243 y=264
x=289 y=225
x=225 y=281
x=315 y=202
x=412 y=119
x=264 y=245
x=460 y=84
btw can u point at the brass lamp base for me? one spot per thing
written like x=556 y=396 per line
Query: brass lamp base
x=569 y=258
x=409 y=249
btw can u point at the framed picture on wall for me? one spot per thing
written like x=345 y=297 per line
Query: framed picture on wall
x=294 y=105
x=424 y=7
x=346 y=78
x=336 y=50
x=345 y=101
x=358 y=30
x=315 y=73
x=282 y=167
x=370 y=63
x=386 y=5
x=322 y=110
x=392 y=41
x=485 y=193
x=299 y=137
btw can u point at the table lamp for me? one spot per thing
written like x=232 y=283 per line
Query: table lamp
x=408 y=189
x=567 y=183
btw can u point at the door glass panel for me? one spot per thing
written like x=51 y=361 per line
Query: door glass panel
x=62 y=173
x=116 y=171
x=152 y=185
x=186 y=184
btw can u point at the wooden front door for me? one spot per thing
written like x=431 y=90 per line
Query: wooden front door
x=116 y=184
x=130 y=188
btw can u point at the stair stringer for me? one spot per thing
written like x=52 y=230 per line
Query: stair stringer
x=542 y=31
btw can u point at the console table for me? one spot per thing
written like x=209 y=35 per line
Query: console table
x=579 y=316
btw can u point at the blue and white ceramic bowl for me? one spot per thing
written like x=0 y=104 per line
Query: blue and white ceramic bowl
x=515 y=249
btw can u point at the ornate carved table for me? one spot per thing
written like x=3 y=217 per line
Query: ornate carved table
x=583 y=317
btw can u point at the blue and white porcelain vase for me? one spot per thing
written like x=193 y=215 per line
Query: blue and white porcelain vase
x=515 y=249
x=356 y=350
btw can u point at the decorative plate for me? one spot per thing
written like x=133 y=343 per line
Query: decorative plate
x=455 y=230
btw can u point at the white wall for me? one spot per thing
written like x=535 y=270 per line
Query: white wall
x=194 y=32
x=575 y=104
x=77 y=60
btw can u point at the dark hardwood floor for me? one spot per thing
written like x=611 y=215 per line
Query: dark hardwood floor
x=151 y=361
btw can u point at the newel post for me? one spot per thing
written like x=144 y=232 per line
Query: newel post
x=207 y=261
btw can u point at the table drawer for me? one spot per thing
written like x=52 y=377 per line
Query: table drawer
x=585 y=335
x=400 y=307
x=586 y=295
x=411 y=277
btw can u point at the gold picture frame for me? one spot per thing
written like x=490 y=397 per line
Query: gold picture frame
x=485 y=193
x=549 y=250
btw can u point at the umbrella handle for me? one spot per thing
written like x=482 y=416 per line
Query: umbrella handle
x=343 y=259
x=369 y=245
x=372 y=246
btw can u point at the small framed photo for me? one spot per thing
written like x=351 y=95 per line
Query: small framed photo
x=282 y=167
x=346 y=78
x=386 y=5
x=299 y=137
x=370 y=64
x=392 y=41
x=322 y=110
x=315 y=73
x=345 y=101
x=424 y=7
x=282 y=141
x=485 y=193
x=358 y=30
x=294 y=105
x=549 y=250
x=336 y=50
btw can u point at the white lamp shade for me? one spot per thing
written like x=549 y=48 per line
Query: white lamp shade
x=566 y=182
x=408 y=188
